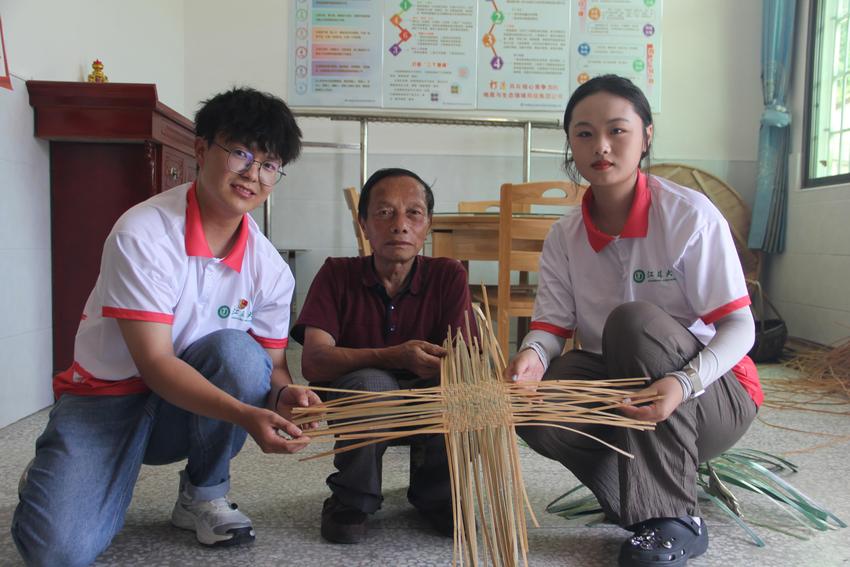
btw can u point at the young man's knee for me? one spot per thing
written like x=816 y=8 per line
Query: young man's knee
x=50 y=548
x=232 y=360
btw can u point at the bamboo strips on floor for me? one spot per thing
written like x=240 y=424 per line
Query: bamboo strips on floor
x=827 y=366
x=477 y=412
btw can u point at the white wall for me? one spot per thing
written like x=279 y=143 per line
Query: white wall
x=808 y=282
x=711 y=106
x=26 y=341
x=140 y=41
x=195 y=48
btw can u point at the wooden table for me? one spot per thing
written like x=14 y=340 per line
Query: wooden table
x=465 y=236
x=471 y=236
x=475 y=236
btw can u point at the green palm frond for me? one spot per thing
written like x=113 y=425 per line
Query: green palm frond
x=755 y=471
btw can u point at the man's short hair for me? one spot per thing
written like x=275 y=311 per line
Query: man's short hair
x=260 y=121
x=363 y=206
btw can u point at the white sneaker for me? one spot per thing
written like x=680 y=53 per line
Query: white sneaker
x=215 y=522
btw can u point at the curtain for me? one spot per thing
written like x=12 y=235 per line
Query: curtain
x=767 y=229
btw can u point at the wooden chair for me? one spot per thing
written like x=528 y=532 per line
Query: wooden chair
x=521 y=241
x=352 y=198
x=475 y=290
x=485 y=207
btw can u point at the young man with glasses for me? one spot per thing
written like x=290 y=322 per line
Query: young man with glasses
x=179 y=353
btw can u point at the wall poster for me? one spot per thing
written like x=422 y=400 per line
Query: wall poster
x=504 y=55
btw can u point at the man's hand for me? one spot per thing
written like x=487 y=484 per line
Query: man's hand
x=659 y=410
x=420 y=357
x=293 y=397
x=525 y=367
x=263 y=425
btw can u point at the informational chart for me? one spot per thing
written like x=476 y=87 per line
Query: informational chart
x=511 y=55
x=426 y=62
x=524 y=55
x=337 y=47
x=403 y=33
x=618 y=36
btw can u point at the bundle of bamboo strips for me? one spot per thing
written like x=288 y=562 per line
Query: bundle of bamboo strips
x=477 y=412
x=828 y=365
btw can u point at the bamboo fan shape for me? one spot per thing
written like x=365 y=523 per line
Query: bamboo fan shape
x=477 y=412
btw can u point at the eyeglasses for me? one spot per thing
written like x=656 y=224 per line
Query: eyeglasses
x=240 y=161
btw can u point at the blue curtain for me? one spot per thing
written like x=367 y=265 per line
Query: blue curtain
x=767 y=230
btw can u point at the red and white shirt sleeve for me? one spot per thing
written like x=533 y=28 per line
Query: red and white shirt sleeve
x=137 y=281
x=554 y=306
x=714 y=281
x=270 y=323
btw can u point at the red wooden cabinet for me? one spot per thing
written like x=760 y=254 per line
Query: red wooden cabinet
x=111 y=146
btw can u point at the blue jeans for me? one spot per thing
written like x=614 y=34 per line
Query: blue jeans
x=88 y=458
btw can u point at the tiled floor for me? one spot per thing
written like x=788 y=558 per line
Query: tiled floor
x=284 y=497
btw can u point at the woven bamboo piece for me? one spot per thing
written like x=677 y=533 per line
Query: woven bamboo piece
x=477 y=412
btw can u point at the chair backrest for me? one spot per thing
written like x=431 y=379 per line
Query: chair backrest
x=486 y=207
x=352 y=198
x=521 y=238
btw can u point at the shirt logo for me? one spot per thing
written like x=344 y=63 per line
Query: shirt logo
x=653 y=276
x=240 y=311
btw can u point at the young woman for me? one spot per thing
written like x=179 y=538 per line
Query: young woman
x=647 y=275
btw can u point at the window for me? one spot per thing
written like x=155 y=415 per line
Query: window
x=828 y=104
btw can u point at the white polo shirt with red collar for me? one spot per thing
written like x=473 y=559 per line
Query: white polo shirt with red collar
x=675 y=251
x=157 y=266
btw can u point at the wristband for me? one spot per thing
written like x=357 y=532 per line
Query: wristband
x=541 y=353
x=279 y=392
x=695 y=380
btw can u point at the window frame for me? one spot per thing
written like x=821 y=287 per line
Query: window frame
x=813 y=60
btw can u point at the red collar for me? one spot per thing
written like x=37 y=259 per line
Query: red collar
x=637 y=223
x=196 y=240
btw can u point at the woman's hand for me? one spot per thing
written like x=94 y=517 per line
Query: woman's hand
x=657 y=411
x=524 y=367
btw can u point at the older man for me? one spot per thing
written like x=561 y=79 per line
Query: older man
x=375 y=323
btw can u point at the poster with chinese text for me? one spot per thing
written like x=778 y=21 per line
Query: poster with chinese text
x=427 y=47
x=523 y=54
x=621 y=37
x=336 y=53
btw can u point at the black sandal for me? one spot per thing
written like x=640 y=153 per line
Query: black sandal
x=664 y=542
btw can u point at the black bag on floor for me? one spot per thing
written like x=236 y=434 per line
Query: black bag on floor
x=771 y=332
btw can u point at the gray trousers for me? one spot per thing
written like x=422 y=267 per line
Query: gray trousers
x=357 y=482
x=640 y=339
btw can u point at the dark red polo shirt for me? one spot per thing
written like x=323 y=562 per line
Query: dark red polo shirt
x=347 y=301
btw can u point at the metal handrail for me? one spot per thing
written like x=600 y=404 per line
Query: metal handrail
x=446 y=118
